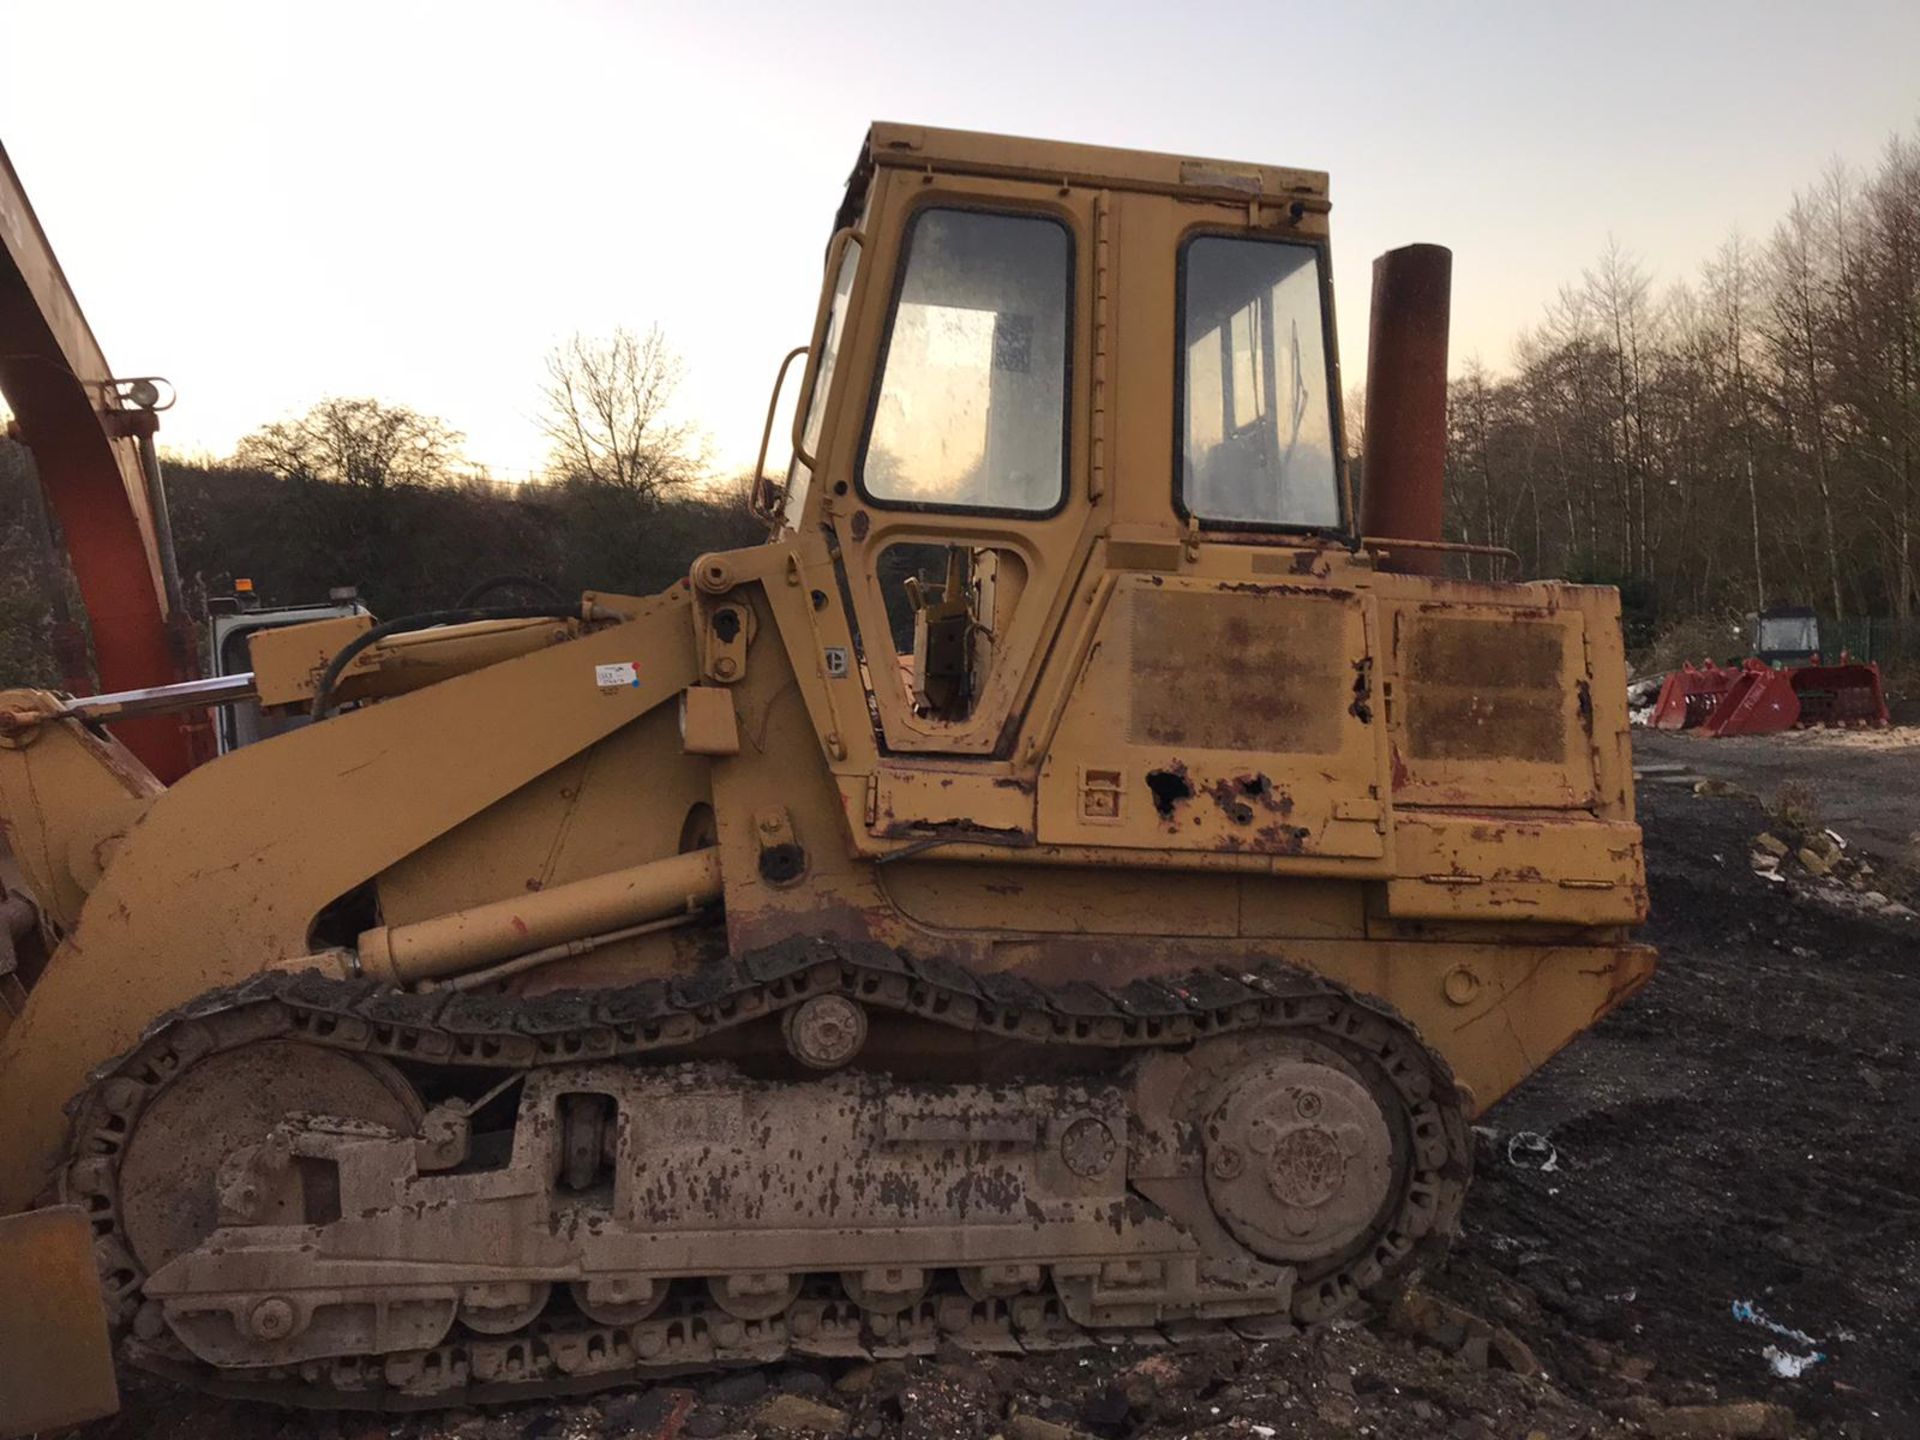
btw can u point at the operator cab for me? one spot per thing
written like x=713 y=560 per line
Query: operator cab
x=962 y=465
x=1787 y=635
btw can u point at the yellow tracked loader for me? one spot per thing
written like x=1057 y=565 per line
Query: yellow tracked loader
x=1074 y=877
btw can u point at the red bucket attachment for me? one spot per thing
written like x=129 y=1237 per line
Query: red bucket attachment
x=1761 y=701
x=1689 y=696
x=1848 y=694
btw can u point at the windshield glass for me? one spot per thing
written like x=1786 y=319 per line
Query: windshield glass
x=1255 y=395
x=971 y=411
x=1789 y=634
x=799 y=475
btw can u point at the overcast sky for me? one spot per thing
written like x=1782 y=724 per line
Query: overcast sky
x=270 y=202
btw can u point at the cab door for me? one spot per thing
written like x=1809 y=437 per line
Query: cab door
x=957 y=506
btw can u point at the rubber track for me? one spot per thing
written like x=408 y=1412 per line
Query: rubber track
x=494 y=1032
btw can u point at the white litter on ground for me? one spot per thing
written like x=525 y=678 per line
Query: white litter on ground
x=1530 y=1150
x=1790 y=1367
x=1784 y=1363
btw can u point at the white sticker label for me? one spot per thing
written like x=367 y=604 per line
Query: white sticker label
x=836 y=659
x=623 y=675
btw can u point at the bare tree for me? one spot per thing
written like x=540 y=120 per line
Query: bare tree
x=357 y=442
x=1880 y=352
x=1730 y=283
x=1800 y=317
x=1617 y=294
x=608 y=415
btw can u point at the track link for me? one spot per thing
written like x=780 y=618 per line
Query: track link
x=566 y=1356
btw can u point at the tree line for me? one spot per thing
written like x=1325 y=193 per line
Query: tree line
x=359 y=492
x=1714 y=447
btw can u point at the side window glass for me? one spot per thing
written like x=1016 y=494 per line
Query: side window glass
x=972 y=404
x=1256 y=396
x=799 y=474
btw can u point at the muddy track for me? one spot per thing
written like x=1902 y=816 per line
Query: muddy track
x=654 y=1020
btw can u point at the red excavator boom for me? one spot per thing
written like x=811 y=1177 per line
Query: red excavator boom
x=92 y=444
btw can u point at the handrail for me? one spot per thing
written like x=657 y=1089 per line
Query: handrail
x=1449 y=547
x=754 y=507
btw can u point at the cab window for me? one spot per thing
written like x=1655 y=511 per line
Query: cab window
x=1256 y=398
x=971 y=409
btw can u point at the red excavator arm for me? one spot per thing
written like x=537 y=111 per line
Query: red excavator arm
x=87 y=440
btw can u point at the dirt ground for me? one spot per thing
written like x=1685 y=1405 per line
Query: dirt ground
x=1867 y=781
x=1746 y=1132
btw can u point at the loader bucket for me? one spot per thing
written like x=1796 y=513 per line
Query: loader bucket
x=1761 y=701
x=1689 y=696
x=56 y=1363
x=1848 y=694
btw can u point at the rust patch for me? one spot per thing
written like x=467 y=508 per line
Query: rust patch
x=1234 y=671
x=1280 y=587
x=1238 y=796
x=1485 y=690
x=1169 y=786
x=957 y=831
x=862 y=522
x=1280 y=838
x=1362 y=707
x=1401 y=775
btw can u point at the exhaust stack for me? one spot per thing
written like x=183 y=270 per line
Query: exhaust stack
x=1406 y=420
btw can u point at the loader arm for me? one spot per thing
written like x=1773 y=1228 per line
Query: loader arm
x=228 y=885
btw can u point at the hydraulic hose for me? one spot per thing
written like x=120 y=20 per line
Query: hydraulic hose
x=425 y=620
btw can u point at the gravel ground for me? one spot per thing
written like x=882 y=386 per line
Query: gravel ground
x=1867 y=781
x=1745 y=1132
x=1747 y=1129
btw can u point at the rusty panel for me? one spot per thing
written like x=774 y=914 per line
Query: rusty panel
x=1503 y=867
x=1492 y=707
x=1226 y=716
x=1212 y=670
x=906 y=802
x=1485 y=691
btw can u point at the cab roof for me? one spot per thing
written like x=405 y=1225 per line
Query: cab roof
x=968 y=152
